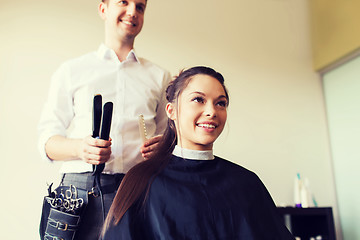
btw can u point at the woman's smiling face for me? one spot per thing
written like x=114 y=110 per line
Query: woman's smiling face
x=200 y=113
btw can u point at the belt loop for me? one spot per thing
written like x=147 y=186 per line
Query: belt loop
x=90 y=183
x=62 y=179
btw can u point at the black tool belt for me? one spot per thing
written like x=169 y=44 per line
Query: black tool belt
x=61 y=213
x=64 y=206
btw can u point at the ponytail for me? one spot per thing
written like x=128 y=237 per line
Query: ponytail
x=138 y=179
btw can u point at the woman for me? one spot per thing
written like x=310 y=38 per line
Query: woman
x=183 y=191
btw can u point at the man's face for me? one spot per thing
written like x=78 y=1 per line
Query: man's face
x=123 y=19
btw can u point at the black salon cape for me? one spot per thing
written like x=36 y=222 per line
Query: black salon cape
x=207 y=200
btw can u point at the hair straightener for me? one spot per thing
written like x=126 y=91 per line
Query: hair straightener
x=104 y=121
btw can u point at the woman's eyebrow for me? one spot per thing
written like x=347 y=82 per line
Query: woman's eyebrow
x=203 y=94
x=196 y=92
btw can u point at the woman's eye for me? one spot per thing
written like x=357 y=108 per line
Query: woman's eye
x=198 y=99
x=222 y=103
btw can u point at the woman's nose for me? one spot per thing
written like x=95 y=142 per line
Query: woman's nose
x=210 y=110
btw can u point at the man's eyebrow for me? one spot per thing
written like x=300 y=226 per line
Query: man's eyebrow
x=140 y=4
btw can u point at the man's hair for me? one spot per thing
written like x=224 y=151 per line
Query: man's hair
x=104 y=1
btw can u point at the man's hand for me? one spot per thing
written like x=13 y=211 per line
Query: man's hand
x=147 y=149
x=94 y=150
x=91 y=150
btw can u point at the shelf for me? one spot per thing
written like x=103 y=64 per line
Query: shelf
x=309 y=222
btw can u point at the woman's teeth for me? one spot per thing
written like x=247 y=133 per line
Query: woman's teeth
x=204 y=125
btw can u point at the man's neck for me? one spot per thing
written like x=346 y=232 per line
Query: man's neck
x=121 y=49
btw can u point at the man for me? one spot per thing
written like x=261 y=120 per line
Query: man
x=134 y=85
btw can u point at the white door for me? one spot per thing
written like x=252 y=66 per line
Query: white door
x=342 y=96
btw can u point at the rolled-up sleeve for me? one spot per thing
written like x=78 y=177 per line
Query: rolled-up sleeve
x=58 y=111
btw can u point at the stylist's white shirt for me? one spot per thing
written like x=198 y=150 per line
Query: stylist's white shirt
x=135 y=86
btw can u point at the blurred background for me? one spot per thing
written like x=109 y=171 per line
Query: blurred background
x=280 y=60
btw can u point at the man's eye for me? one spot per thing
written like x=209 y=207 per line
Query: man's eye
x=140 y=9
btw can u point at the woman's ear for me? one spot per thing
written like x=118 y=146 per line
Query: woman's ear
x=170 y=111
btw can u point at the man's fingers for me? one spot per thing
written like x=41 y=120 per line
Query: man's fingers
x=96 y=159
x=147 y=156
x=94 y=162
x=152 y=140
x=97 y=142
x=149 y=149
x=100 y=151
x=96 y=151
x=150 y=144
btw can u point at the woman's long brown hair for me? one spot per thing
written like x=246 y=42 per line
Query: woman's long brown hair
x=138 y=179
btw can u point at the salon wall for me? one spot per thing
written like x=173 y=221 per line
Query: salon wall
x=276 y=125
x=335 y=33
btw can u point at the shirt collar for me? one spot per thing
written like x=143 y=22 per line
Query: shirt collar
x=107 y=53
x=193 y=154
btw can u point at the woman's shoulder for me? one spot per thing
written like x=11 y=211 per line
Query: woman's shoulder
x=231 y=164
x=235 y=169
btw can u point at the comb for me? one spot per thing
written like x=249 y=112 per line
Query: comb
x=142 y=128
